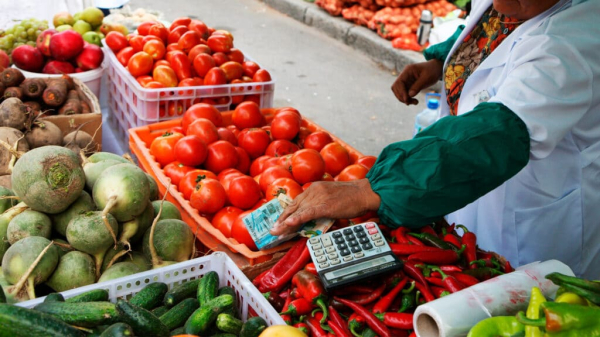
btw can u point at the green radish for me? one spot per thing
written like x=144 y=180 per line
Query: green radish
x=29 y=223
x=100 y=156
x=88 y=233
x=139 y=259
x=122 y=190
x=32 y=261
x=170 y=211
x=75 y=269
x=153 y=187
x=133 y=230
x=63 y=247
x=173 y=240
x=48 y=179
x=5 y=219
x=93 y=171
x=119 y=270
x=109 y=257
x=82 y=204
x=6 y=199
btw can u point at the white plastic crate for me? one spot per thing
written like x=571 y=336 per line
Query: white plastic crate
x=249 y=300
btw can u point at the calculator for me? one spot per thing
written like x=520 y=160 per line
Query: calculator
x=351 y=254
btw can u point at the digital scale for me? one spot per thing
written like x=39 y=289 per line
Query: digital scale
x=351 y=254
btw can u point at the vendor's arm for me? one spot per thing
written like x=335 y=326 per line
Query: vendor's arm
x=440 y=51
x=445 y=167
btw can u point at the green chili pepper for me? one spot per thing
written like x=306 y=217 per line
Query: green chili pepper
x=566 y=319
x=533 y=312
x=504 y=326
x=432 y=240
x=561 y=279
x=369 y=333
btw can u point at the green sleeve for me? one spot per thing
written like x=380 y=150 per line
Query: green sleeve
x=449 y=165
x=441 y=50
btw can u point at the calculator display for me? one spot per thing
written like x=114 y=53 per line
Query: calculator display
x=356 y=268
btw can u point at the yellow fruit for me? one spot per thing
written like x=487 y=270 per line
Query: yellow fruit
x=282 y=331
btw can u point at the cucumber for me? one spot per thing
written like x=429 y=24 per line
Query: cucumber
x=160 y=311
x=150 y=297
x=54 y=297
x=97 y=331
x=208 y=287
x=96 y=295
x=229 y=291
x=177 y=315
x=178 y=331
x=204 y=317
x=85 y=314
x=21 y=322
x=253 y=327
x=228 y=323
x=142 y=321
x=118 y=330
x=181 y=292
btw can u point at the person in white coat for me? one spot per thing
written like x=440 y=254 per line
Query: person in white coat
x=517 y=157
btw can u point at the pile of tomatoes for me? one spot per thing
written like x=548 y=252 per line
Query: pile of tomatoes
x=188 y=53
x=226 y=171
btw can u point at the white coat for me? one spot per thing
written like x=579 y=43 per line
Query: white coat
x=548 y=72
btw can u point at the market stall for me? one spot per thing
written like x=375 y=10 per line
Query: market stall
x=173 y=237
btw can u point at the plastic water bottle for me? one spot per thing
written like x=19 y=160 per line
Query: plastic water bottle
x=425 y=24
x=428 y=116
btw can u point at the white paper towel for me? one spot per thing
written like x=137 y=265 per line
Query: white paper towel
x=455 y=314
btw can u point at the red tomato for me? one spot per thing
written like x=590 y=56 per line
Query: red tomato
x=150 y=38
x=203 y=129
x=317 y=140
x=250 y=68
x=181 y=65
x=223 y=32
x=203 y=63
x=243 y=160
x=286 y=186
x=176 y=33
x=183 y=21
x=281 y=147
x=191 y=82
x=268 y=176
x=307 y=166
x=240 y=232
x=286 y=161
x=201 y=110
x=116 y=41
x=261 y=75
x=367 y=161
x=172 y=47
x=154 y=85
x=228 y=174
x=234 y=129
x=288 y=110
x=176 y=129
x=208 y=197
x=189 y=181
x=143 y=80
x=233 y=70
x=165 y=75
x=306 y=186
x=352 y=172
x=221 y=155
x=224 y=219
x=255 y=141
x=197 y=50
x=227 y=135
x=124 y=55
x=253 y=98
x=243 y=192
x=176 y=171
x=215 y=76
x=191 y=150
x=155 y=48
x=257 y=165
x=161 y=63
x=200 y=28
x=160 y=31
x=236 y=55
x=137 y=43
x=302 y=134
x=175 y=109
x=145 y=27
x=285 y=125
x=247 y=115
x=140 y=64
x=336 y=158
x=220 y=58
x=220 y=43
x=188 y=40
x=162 y=147
x=327 y=177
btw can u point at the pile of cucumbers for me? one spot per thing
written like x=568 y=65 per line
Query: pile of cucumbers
x=198 y=307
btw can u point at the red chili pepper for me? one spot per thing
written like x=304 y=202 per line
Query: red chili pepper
x=400 y=235
x=449 y=282
x=257 y=280
x=428 y=229
x=425 y=291
x=465 y=279
x=314 y=326
x=334 y=316
x=287 y=318
x=372 y=321
x=413 y=334
x=444 y=257
x=311 y=268
x=469 y=239
x=338 y=329
x=508 y=268
x=363 y=299
x=439 y=291
x=414 y=240
x=283 y=271
x=302 y=327
x=435 y=274
x=413 y=271
x=407 y=249
x=450 y=269
x=310 y=288
x=355 y=322
x=396 y=320
x=298 y=308
x=451 y=238
x=384 y=303
x=354 y=289
x=435 y=281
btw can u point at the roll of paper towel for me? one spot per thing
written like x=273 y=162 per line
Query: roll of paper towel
x=455 y=314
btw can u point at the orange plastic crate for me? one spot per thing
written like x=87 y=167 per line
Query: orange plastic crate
x=139 y=144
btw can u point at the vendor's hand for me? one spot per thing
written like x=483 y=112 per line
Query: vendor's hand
x=334 y=200
x=416 y=77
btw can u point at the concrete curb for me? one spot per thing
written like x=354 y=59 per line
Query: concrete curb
x=358 y=37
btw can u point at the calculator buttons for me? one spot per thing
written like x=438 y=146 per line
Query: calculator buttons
x=344 y=252
x=364 y=240
x=361 y=234
x=347 y=231
x=335 y=261
x=317 y=246
x=321 y=259
x=339 y=240
x=332 y=256
x=355 y=249
x=323 y=265
x=329 y=249
x=353 y=243
x=376 y=237
x=342 y=246
x=372 y=231
x=359 y=255
x=319 y=252
x=379 y=243
x=367 y=246
x=350 y=237
x=327 y=241
x=314 y=240
x=347 y=258
x=370 y=225
x=336 y=235
x=358 y=229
